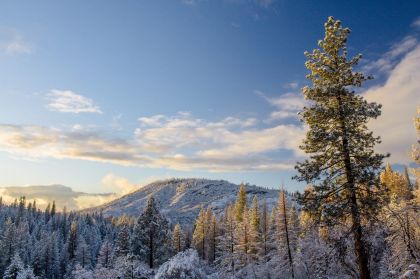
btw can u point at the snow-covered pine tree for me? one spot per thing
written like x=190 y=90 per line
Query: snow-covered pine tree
x=226 y=244
x=106 y=255
x=255 y=240
x=272 y=236
x=342 y=165
x=178 y=241
x=151 y=236
x=200 y=233
x=293 y=228
x=122 y=243
x=283 y=233
x=72 y=241
x=212 y=237
x=53 y=209
x=265 y=231
x=15 y=267
x=7 y=243
x=83 y=254
x=242 y=231
x=26 y=273
x=241 y=203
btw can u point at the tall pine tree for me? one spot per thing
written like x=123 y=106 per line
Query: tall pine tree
x=342 y=164
x=151 y=237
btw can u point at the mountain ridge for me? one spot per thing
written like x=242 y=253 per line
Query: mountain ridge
x=180 y=199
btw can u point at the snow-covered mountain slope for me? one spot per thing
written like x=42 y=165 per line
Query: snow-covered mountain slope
x=180 y=199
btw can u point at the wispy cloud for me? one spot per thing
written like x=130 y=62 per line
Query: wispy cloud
x=388 y=60
x=70 y=102
x=287 y=105
x=12 y=42
x=292 y=85
x=416 y=23
x=399 y=96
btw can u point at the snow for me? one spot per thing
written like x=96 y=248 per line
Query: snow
x=180 y=199
x=184 y=265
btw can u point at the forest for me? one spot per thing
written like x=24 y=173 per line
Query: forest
x=356 y=218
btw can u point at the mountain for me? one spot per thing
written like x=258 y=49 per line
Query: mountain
x=62 y=195
x=180 y=199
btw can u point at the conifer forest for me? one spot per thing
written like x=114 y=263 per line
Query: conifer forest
x=358 y=216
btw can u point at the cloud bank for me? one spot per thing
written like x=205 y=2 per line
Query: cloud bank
x=180 y=142
x=62 y=195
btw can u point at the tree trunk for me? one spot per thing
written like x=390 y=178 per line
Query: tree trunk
x=151 y=250
x=362 y=258
x=289 y=253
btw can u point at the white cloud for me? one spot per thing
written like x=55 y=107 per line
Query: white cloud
x=119 y=184
x=399 y=96
x=12 y=42
x=180 y=142
x=68 y=101
x=63 y=196
x=287 y=105
x=388 y=61
x=42 y=142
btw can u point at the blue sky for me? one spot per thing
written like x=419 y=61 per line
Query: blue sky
x=106 y=95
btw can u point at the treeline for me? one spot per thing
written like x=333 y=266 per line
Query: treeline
x=47 y=244
x=250 y=240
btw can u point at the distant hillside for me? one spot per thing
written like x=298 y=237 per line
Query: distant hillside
x=62 y=195
x=180 y=199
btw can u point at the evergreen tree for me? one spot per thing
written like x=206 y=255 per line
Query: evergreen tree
x=53 y=209
x=240 y=204
x=255 y=248
x=47 y=213
x=83 y=255
x=226 y=258
x=151 y=236
x=72 y=241
x=342 y=166
x=212 y=237
x=26 y=273
x=178 y=241
x=122 y=246
x=200 y=233
x=7 y=243
x=272 y=235
x=15 y=267
x=106 y=255
x=243 y=231
x=293 y=228
x=283 y=232
x=265 y=230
